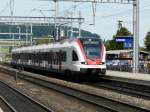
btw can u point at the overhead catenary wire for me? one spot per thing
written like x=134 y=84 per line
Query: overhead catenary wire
x=121 y=12
x=36 y=8
x=72 y=7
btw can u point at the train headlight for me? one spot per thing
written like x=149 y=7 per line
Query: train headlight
x=84 y=63
x=102 y=63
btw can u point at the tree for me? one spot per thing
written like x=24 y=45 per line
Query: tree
x=147 y=41
x=123 y=32
x=112 y=45
x=41 y=40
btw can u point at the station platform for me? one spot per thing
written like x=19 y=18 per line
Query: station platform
x=138 y=78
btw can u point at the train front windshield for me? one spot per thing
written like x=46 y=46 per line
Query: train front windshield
x=91 y=48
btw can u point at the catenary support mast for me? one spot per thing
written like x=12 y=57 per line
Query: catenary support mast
x=136 y=36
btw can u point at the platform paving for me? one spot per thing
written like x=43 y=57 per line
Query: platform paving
x=136 y=76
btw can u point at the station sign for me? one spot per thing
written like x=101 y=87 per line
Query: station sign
x=126 y=40
x=120 y=40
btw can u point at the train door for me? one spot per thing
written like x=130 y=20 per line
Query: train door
x=60 y=60
x=75 y=60
x=69 y=59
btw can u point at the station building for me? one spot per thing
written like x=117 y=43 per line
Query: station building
x=125 y=54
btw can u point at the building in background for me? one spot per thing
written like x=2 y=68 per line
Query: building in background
x=6 y=45
x=125 y=54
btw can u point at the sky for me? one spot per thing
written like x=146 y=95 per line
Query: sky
x=107 y=15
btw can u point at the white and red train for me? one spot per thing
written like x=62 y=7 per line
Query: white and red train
x=70 y=56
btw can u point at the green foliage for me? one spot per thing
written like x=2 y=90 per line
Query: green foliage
x=147 y=41
x=42 y=40
x=123 y=32
x=112 y=45
x=143 y=49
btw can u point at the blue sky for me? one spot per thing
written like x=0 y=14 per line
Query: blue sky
x=107 y=15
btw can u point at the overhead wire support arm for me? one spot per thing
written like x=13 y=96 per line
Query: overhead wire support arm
x=20 y=20
x=96 y=1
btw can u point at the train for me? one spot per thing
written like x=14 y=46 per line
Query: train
x=69 y=56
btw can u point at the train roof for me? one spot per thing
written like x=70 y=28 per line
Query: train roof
x=44 y=47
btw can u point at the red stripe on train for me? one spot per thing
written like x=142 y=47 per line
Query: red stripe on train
x=81 y=48
x=91 y=61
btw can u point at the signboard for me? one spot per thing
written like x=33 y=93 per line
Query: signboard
x=120 y=40
x=126 y=40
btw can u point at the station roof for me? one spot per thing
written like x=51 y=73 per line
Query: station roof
x=118 y=51
x=122 y=51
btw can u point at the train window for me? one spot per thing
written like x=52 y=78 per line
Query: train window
x=49 y=57
x=13 y=56
x=64 y=56
x=74 y=56
x=32 y=57
x=91 y=48
x=46 y=56
x=36 y=57
x=39 y=57
x=29 y=56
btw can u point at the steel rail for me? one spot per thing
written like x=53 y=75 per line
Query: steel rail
x=130 y=88
x=123 y=90
x=7 y=104
x=25 y=98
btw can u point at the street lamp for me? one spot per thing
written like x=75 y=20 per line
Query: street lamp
x=19 y=34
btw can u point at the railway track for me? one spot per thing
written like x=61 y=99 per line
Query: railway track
x=136 y=90
x=5 y=106
x=100 y=101
x=106 y=104
x=19 y=102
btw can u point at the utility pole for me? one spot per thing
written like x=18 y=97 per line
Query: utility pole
x=11 y=7
x=71 y=26
x=26 y=34
x=31 y=34
x=11 y=3
x=119 y=24
x=136 y=36
x=94 y=13
x=80 y=25
x=56 y=15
